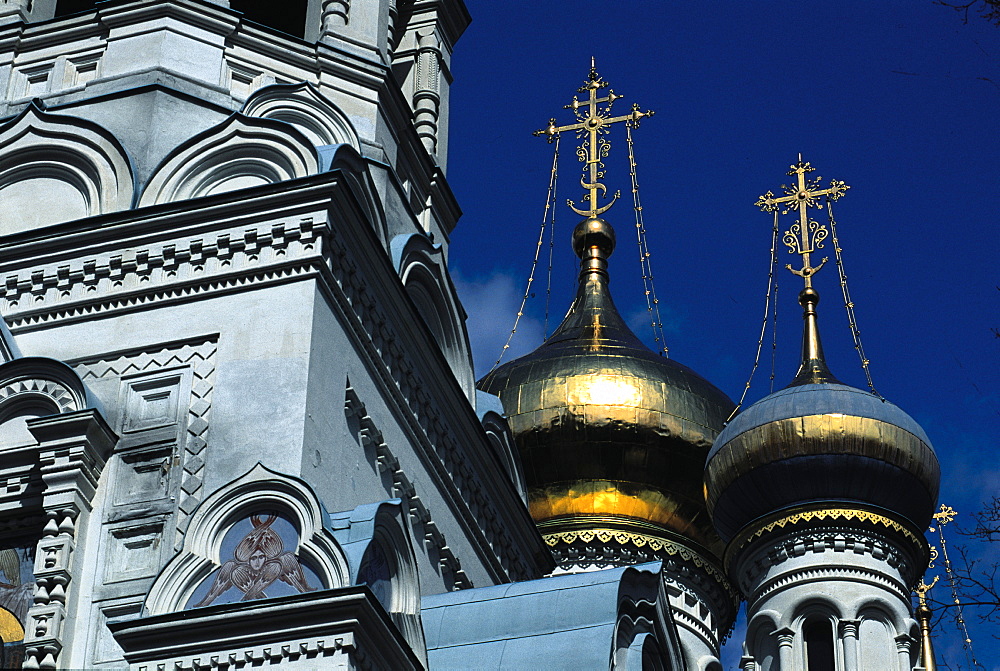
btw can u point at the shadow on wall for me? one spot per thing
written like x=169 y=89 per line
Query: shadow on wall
x=288 y=17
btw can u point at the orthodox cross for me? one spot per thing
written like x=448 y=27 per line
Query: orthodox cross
x=807 y=235
x=592 y=125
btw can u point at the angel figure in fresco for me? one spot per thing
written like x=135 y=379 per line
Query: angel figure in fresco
x=259 y=560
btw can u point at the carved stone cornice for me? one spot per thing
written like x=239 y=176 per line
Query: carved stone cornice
x=843 y=528
x=841 y=552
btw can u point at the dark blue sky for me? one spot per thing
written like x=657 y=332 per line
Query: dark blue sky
x=897 y=98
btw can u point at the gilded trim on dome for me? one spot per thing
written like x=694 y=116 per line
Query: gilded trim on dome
x=605 y=536
x=759 y=529
x=826 y=434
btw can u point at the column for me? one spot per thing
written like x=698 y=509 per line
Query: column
x=849 y=639
x=785 y=637
x=903 y=643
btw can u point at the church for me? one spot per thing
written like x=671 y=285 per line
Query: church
x=239 y=423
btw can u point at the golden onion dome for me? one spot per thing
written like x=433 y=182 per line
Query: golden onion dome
x=819 y=445
x=612 y=436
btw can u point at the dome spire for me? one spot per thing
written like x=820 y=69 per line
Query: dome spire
x=804 y=238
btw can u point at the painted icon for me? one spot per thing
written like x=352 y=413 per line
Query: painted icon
x=260 y=562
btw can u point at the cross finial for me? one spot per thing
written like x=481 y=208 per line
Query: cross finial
x=592 y=127
x=806 y=236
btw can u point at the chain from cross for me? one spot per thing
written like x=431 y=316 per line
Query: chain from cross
x=806 y=236
x=593 y=123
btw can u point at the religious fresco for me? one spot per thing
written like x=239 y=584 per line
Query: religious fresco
x=17 y=589
x=260 y=562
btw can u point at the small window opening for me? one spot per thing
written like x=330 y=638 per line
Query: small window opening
x=67 y=7
x=288 y=17
x=818 y=635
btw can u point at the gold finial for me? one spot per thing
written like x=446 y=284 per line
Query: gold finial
x=806 y=236
x=591 y=127
x=927 y=660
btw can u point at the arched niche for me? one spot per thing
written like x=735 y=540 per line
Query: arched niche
x=239 y=153
x=345 y=160
x=56 y=168
x=490 y=412
x=761 y=642
x=37 y=387
x=225 y=534
x=303 y=106
x=377 y=543
x=421 y=268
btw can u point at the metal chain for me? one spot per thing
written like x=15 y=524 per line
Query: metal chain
x=534 y=264
x=774 y=328
x=848 y=303
x=942 y=518
x=772 y=288
x=652 y=302
x=552 y=240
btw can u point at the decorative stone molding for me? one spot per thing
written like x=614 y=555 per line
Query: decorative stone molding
x=72 y=450
x=199 y=355
x=845 y=541
x=427 y=89
x=335 y=629
x=200 y=553
x=239 y=153
x=303 y=106
x=439 y=438
x=336 y=14
x=43 y=386
x=491 y=416
x=400 y=486
x=377 y=544
x=422 y=269
x=162 y=271
x=80 y=170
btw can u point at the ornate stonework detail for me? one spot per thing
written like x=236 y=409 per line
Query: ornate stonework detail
x=44 y=630
x=238 y=153
x=200 y=357
x=59 y=394
x=426 y=96
x=377 y=327
x=401 y=487
x=303 y=106
x=82 y=167
x=72 y=451
x=336 y=13
x=159 y=272
x=333 y=651
x=836 y=540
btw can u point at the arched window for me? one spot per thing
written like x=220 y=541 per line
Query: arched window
x=818 y=635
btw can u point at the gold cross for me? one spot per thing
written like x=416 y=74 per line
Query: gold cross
x=592 y=125
x=807 y=235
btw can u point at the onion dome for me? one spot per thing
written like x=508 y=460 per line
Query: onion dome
x=612 y=436
x=817 y=445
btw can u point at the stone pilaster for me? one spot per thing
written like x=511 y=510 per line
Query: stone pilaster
x=73 y=448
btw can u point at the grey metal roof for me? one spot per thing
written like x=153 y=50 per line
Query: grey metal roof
x=562 y=622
